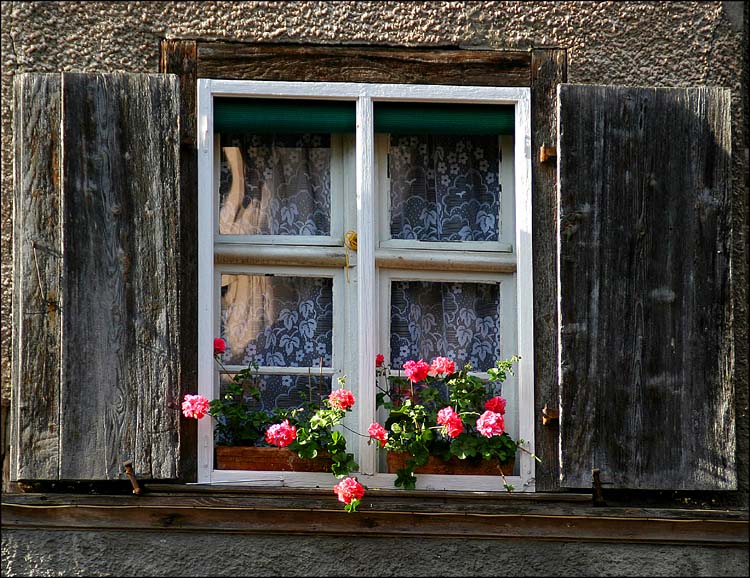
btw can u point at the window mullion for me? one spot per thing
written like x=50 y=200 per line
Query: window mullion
x=366 y=283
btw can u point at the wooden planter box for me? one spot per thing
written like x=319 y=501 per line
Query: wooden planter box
x=268 y=459
x=454 y=466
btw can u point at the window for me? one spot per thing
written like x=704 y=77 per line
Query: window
x=434 y=181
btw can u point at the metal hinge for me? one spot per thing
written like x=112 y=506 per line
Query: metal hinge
x=547 y=153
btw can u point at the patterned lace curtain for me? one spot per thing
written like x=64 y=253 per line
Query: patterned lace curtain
x=445 y=188
x=456 y=320
x=275 y=185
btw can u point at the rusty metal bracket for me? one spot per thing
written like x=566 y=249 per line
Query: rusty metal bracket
x=549 y=415
x=596 y=489
x=547 y=153
x=131 y=476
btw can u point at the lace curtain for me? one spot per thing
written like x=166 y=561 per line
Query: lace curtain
x=456 y=320
x=445 y=188
x=278 y=322
x=275 y=185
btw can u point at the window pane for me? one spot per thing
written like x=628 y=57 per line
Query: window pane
x=277 y=321
x=284 y=391
x=275 y=184
x=445 y=188
x=456 y=320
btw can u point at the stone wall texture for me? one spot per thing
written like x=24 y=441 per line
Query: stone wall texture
x=630 y=43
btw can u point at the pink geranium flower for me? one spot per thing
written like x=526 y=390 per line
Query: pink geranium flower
x=496 y=404
x=379 y=360
x=491 y=424
x=348 y=490
x=220 y=346
x=378 y=432
x=281 y=434
x=451 y=422
x=341 y=399
x=416 y=370
x=195 y=406
x=442 y=366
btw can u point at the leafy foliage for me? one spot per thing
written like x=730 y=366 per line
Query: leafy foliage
x=412 y=422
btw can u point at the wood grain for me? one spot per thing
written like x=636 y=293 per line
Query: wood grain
x=180 y=57
x=37 y=268
x=120 y=343
x=548 y=69
x=212 y=514
x=362 y=64
x=646 y=384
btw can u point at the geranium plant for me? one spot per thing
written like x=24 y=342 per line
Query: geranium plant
x=435 y=410
x=308 y=429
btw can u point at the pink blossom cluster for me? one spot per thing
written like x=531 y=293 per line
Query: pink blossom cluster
x=442 y=366
x=195 y=406
x=341 y=399
x=451 y=422
x=378 y=432
x=379 y=360
x=416 y=370
x=220 y=346
x=496 y=404
x=281 y=434
x=348 y=490
x=491 y=424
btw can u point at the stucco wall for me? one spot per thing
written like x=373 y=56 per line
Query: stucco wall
x=171 y=554
x=633 y=43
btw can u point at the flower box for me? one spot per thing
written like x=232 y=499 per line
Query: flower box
x=454 y=466
x=268 y=459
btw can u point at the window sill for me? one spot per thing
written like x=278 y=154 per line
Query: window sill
x=569 y=517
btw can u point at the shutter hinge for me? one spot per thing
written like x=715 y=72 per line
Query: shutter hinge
x=547 y=153
x=549 y=415
x=596 y=489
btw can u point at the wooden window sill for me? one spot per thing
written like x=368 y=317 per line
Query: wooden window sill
x=212 y=509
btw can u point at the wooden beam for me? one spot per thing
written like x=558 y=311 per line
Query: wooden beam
x=213 y=515
x=180 y=57
x=363 y=64
x=548 y=69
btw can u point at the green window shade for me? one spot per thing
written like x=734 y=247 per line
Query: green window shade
x=265 y=115
x=428 y=118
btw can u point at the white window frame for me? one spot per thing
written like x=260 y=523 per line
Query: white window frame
x=366 y=274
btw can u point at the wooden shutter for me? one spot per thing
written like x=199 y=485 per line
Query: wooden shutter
x=96 y=215
x=646 y=370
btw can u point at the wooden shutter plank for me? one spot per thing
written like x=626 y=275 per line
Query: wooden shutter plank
x=646 y=385
x=36 y=277
x=120 y=341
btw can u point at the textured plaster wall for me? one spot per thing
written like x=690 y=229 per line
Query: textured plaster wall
x=633 y=43
x=27 y=553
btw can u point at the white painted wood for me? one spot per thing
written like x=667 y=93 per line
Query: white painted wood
x=313 y=371
x=385 y=92
x=205 y=274
x=436 y=263
x=508 y=193
x=366 y=288
x=525 y=283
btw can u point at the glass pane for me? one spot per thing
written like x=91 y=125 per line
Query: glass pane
x=284 y=391
x=277 y=321
x=275 y=184
x=445 y=188
x=460 y=321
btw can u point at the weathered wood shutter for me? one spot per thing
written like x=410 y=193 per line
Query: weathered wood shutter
x=96 y=247
x=646 y=364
